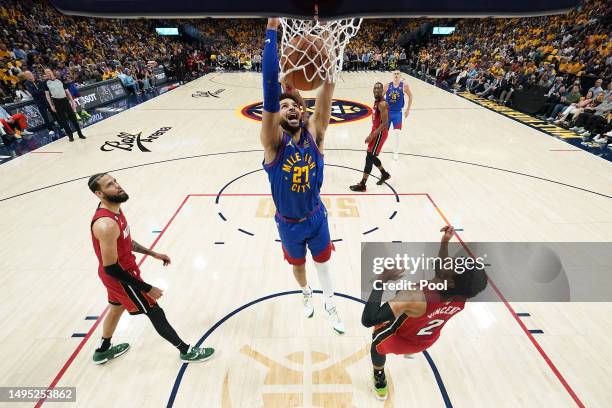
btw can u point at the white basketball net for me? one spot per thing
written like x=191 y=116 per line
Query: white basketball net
x=333 y=35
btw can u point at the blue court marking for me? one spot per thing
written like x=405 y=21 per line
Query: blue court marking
x=536 y=331
x=277 y=240
x=227 y=185
x=397 y=242
x=523 y=314
x=337 y=240
x=220 y=193
x=79 y=334
x=436 y=373
x=181 y=372
x=219 y=243
x=245 y=232
x=222 y=217
x=393 y=215
x=372 y=230
x=91 y=317
x=459 y=229
x=156 y=232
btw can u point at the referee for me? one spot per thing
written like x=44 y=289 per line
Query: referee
x=61 y=102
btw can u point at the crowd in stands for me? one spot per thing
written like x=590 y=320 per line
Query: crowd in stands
x=567 y=54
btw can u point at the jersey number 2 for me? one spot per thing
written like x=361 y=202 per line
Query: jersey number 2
x=427 y=330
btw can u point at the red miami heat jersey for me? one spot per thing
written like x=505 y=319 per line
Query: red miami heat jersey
x=126 y=258
x=376 y=115
x=426 y=329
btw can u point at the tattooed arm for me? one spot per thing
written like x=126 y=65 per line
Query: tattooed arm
x=136 y=247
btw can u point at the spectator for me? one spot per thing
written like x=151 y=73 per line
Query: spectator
x=592 y=116
x=596 y=89
x=575 y=109
x=37 y=90
x=14 y=124
x=566 y=100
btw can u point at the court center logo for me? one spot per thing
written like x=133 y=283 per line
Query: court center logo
x=343 y=111
x=306 y=378
x=128 y=140
x=206 y=94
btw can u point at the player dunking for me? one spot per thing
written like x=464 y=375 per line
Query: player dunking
x=120 y=274
x=394 y=95
x=413 y=320
x=375 y=140
x=293 y=160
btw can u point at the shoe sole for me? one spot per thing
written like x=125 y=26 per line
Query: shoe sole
x=338 y=331
x=311 y=314
x=380 y=397
x=199 y=361
x=109 y=359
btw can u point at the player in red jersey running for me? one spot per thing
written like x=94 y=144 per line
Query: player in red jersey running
x=120 y=274
x=413 y=320
x=376 y=139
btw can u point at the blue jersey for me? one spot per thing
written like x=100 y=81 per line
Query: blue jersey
x=395 y=97
x=296 y=176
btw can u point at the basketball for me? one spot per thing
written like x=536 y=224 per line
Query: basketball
x=307 y=53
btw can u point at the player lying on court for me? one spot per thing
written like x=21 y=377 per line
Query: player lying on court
x=293 y=160
x=120 y=274
x=376 y=139
x=413 y=320
x=394 y=95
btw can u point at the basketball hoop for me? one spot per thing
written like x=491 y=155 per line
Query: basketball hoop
x=328 y=37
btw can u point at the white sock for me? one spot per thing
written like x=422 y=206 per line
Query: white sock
x=397 y=140
x=325 y=280
x=306 y=290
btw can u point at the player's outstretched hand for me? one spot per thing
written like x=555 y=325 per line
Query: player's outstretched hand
x=391 y=275
x=448 y=231
x=273 y=23
x=156 y=293
x=163 y=257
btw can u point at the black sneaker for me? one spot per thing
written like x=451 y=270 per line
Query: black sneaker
x=82 y=137
x=361 y=187
x=386 y=176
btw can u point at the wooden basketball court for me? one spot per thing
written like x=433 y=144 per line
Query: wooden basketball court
x=199 y=195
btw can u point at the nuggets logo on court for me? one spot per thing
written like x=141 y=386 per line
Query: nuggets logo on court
x=342 y=110
x=303 y=378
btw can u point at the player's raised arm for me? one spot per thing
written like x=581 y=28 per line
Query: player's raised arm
x=448 y=232
x=270 y=121
x=411 y=303
x=319 y=120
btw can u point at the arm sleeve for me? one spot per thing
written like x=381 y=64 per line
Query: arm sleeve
x=118 y=273
x=374 y=313
x=269 y=68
